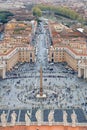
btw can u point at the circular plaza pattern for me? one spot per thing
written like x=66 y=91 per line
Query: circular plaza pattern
x=63 y=90
x=53 y=96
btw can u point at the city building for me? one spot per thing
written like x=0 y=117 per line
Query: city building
x=15 y=47
x=68 y=45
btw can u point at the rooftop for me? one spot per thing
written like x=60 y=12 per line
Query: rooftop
x=17 y=34
x=35 y=127
x=66 y=37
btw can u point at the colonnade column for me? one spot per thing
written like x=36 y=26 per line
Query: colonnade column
x=79 y=72
x=85 y=73
x=3 y=73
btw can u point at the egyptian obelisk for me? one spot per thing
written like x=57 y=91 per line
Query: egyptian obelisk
x=41 y=94
x=41 y=87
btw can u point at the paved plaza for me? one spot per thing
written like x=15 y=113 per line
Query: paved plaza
x=64 y=90
x=61 y=84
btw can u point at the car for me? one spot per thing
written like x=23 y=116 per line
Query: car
x=51 y=63
x=51 y=69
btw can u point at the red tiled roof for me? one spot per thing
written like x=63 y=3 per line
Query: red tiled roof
x=42 y=128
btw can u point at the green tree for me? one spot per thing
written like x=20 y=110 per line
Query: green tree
x=37 y=12
x=63 y=11
x=4 y=16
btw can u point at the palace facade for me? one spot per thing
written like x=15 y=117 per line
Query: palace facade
x=69 y=46
x=15 y=47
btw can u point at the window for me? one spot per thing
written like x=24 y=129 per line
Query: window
x=30 y=54
x=52 y=55
x=30 y=60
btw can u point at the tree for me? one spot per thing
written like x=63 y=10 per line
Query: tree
x=85 y=29
x=4 y=16
x=37 y=12
x=63 y=11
